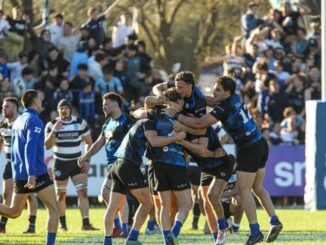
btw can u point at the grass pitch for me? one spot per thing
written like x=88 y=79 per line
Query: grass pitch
x=300 y=227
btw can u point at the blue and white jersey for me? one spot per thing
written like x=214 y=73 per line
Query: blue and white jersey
x=27 y=151
x=134 y=143
x=114 y=130
x=237 y=121
x=169 y=154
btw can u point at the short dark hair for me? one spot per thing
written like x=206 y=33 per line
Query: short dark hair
x=113 y=96
x=253 y=4
x=227 y=83
x=69 y=24
x=99 y=56
x=172 y=95
x=12 y=100
x=186 y=76
x=28 y=97
x=27 y=71
x=82 y=66
x=107 y=70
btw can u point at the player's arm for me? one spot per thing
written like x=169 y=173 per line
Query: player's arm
x=140 y=113
x=86 y=135
x=158 y=89
x=197 y=122
x=50 y=133
x=108 y=11
x=178 y=126
x=1 y=143
x=152 y=101
x=211 y=101
x=196 y=148
x=94 y=148
x=159 y=141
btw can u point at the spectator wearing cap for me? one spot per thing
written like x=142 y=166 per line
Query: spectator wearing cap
x=79 y=57
x=95 y=64
x=24 y=82
x=95 y=22
x=17 y=66
x=250 y=20
x=121 y=30
x=63 y=92
x=56 y=29
x=109 y=83
x=67 y=44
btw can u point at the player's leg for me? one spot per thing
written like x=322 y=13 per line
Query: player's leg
x=236 y=210
x=265 y=200
x=165 y=203
x=48 y=197
x=32 y=205
x=80 y=181
x=174 y=208
x=8 y=189
x=17 y=205
x=124 y=217
x=210 y=214
x=61 y=193
x=194 y=177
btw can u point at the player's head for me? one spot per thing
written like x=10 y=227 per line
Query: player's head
x=10 y=107
x=184 y=83
x=112 y=103
x=33 y=99
x=174 y=99
x=224 y=87
x=64 y=109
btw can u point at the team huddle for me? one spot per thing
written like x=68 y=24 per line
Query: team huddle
x=186 y=166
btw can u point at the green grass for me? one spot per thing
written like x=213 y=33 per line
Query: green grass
x=300 y=227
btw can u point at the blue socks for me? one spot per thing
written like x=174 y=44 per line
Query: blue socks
x=222 y=224
x=107 y=240
x=274 y=220
x=125 y=228
x=133 y=235
x=214 y=235
x=151 y=225
x=117 y=223
x=165 y=234
x=254 y=229
x=50 y=239
x=176 y=228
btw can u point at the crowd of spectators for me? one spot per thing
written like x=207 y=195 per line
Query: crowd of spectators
x=79 y=64
x=276 y=63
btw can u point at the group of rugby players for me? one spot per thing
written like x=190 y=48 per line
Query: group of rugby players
x=178 y=138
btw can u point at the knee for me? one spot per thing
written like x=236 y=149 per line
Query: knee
x=61 y=196
x=212 y=197
x=82 y=193
x=258 y=190
x=81 y=188
x=15 y=213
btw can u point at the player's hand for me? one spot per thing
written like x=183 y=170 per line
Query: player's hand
x=58 y=125
x=170 y=111
x=85 y=169
x=180 y=135
x=177 y=126
x=31 y=182
x=82 y=161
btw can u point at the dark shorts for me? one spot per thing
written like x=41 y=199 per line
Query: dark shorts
x=253 y=157
x=7 y=173
x=226 y=209
x=109 y=168
x=126 y=176
x=42 y=182
x=223 y=172
x=168 y=177
x=194 y=175
x=64 y=169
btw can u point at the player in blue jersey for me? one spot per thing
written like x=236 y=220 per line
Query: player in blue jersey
x=252 y=153
x=29 y=170
x=114 y=129
x=10 y=114
x=216 y=169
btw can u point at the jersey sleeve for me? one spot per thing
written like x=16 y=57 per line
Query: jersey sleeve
x=149 y=125
x=84 y=128
x=103 y=128
x=34 y=131
x=219 y=112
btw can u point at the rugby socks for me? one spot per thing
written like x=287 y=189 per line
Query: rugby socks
x=107 y=240
x=117 y=223
x=151 y=225
x=50 y=239
x=214 y=235
x=32 y=219
x=86 y=221
x=165 y=235
x=125 y=228
x=222 y=224
x=274 y=220
x=254 y=229
x=196 y=214
x=133 y=235
x=176 y=228
x=235 y=227
x=62 y=220
x=3 y=222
